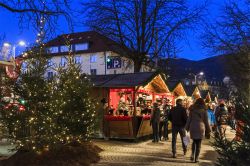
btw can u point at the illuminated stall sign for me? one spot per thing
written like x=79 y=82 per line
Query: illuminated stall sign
x=114 y=62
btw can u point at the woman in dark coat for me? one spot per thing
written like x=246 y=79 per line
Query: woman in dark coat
x=198 y=125
x=154 y=121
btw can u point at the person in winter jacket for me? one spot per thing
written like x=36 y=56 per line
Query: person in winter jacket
x=178 y=117
x=221 y=116
x=211 y=117
x=154 y=121
x=198 y=125
x=166 y=107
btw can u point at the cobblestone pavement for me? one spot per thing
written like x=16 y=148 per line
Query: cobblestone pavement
x=125 y=153
x=147 y=153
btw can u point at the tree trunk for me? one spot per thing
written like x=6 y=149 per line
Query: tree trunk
x=137 y=66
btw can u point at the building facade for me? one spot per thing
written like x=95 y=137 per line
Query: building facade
x=95 y=53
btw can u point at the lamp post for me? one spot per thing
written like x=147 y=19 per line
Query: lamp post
x=195 y=76
x=14 y=46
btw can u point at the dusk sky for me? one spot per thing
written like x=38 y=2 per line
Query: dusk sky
x=191 y=49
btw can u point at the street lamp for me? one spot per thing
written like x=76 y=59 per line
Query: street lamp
x=195 y=76
x=14 y=46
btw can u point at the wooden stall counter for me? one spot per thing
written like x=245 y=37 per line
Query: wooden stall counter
x=119 y=127
x=127 y=127
x=144 y=126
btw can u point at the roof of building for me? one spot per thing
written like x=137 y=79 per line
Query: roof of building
x=97 y=42
x=99 y=80
x=204 y=93
x=172 y=84
x=123 y=80
x=5 y=63
x=189 y=89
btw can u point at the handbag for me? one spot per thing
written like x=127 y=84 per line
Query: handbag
x=186 y=140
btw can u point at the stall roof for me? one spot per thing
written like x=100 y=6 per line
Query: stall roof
x=123 y=80
x=99 y=80
x=190 y=89
x=172 y=84
x=5 y=63
x=176 y=87
x=205 y=94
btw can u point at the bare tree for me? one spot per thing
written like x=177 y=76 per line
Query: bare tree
x=30 y=13
x=230 y=35
x=141 y=26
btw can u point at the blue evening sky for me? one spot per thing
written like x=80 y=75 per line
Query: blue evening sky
x=191 y=49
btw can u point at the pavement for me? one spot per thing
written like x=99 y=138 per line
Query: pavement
x=125 y=153
x=143 y=152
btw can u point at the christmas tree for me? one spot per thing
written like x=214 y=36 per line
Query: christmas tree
x=72 y=106
x=26 y=115
x=236 y=152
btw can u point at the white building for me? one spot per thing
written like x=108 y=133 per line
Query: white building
x=96 y=53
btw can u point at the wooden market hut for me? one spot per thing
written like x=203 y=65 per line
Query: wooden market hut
x=115 y=89
x=192 y=91
x=205 y=94
x=176 y=88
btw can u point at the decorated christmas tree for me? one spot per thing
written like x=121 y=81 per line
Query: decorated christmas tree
x=72 y=106
x=26 y=115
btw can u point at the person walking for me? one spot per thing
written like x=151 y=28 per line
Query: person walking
x=221 y=116
x=178 y=118
x=211 y=117
x=154 y=121
x=198 y=126
x=164 y=120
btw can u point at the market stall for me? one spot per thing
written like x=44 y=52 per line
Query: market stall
x=205 y=94
x=129 y=103
x=178 y=91
x=192 y=91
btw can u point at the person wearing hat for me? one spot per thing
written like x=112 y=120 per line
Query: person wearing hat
x=154 y=121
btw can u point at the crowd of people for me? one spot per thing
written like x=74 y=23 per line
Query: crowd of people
x=198 y=120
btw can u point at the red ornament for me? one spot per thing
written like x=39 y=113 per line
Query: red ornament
x=20 y=107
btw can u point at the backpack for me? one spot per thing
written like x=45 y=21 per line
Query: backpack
x=222 y=118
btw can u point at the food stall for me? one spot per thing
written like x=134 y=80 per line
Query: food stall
x=178 y=91
x=129 y=102
x=205 y=94
x=192 y=92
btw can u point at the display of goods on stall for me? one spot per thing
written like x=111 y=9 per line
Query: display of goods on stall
x=130 y=99
x=117 y=118
x=146 y=117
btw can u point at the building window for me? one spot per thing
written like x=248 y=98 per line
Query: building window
x=53 y=50
x=124 y=63
x=65 y=48
x=63 y=61
x=50 y=75
x=93 y=58
x=82 y=46
x=93 y=71
x=50 y=63
x=77 y=60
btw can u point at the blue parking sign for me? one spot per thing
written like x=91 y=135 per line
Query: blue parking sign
x=114 y=62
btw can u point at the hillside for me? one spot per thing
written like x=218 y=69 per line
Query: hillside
x=214 y=68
